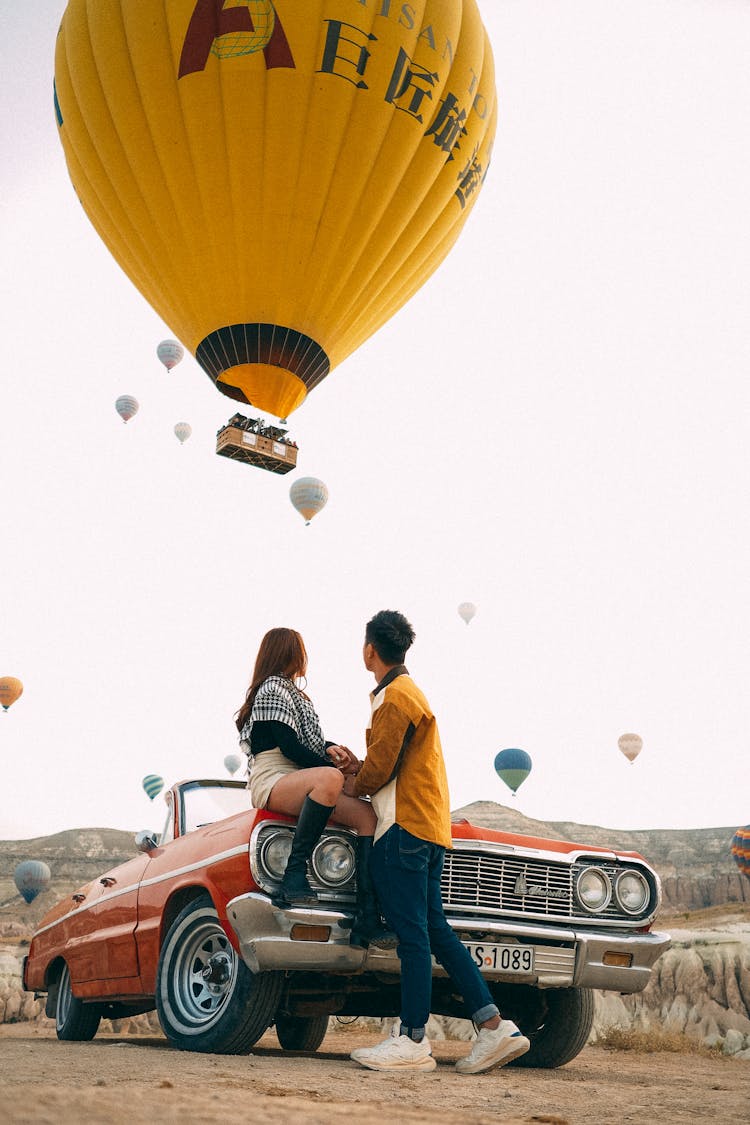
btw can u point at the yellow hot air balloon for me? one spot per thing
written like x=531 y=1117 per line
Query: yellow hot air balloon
x=277 y=179
x=10 y=690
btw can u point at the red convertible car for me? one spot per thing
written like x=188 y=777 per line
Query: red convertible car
x=188 y=927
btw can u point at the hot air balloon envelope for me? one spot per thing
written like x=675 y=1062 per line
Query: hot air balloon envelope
x=31 y=878
x=183 y=430
x=513 y=767
x=233 y=763
x=276 y=178
x=741 y=849
x=630 y=745
x=10 y=690
x=170 y=353
x=126 y=406
x=309 y=496
x=466 y=611
x=153 y=785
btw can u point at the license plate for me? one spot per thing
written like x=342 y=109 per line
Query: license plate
x=490 y=957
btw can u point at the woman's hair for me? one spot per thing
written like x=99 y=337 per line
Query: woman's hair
x=282 y=653
x=390 y=634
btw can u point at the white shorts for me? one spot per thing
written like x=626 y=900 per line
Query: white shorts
x=265 y=770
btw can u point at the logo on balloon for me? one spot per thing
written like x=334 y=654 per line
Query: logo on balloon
x=245 y=29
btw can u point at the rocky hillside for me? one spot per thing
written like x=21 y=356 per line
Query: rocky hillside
x=73 y=857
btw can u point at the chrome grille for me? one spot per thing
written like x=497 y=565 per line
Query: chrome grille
x=489 y=884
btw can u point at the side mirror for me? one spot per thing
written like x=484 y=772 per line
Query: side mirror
x=146 y=840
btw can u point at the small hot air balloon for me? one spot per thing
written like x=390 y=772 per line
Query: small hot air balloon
x=31 y=877
x=126 y=406
x=309 y=496
x=153 y=784
x=741 y=849
x=10 y=690
x=466 y=611
x=170 y=353
x=183 y=430
x=513 y=767
x=233 y=763
x=630 y=745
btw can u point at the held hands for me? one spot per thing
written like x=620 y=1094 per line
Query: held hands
x=344 y=760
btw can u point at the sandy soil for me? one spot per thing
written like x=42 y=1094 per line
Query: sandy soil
x=138 y=1080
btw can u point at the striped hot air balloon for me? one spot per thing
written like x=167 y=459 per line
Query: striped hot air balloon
x=309 y=496
x=10 y=690
x=513 y=767
x=630 y=745
x=126 y=406
x=31 y=878
x=170 y=353
x=741 y=849
x=182 y=431
x=153 y=785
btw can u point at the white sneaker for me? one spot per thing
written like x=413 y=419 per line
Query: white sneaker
x=494 y=1048
x=398 y=1052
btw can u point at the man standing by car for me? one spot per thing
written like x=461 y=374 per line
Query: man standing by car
x=405 y=774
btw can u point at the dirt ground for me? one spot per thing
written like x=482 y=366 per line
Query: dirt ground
x=138 y=1080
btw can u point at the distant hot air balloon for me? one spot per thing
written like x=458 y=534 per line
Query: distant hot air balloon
x=126 y=406
x=276 y=178
x=233 y=763
x=741 y=849
x=513 y=767
x=31 y=877
x=466 y=610
x=183 y=430
x=153 y=784
x=309 y=496
x=10 y=690
x=630 y=745
x=170 y=353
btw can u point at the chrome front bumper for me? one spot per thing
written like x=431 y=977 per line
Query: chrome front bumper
x=265 y=938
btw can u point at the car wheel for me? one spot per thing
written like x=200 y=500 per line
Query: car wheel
x=74 y=1020
x=301 y=1033
x=562 y=1031
x=206 y=997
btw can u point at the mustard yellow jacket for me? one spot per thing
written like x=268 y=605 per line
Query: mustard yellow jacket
x=404 y=771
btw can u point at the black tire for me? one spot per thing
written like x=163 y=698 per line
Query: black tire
x=75 y=1022
x=206 y=997
x=301 y=1033
x=562 y=1032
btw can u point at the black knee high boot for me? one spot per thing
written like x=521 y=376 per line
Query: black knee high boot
x=367 y=926
x=294 y=889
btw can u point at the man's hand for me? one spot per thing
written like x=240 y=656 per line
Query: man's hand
x=343 y=758
x=348 y=787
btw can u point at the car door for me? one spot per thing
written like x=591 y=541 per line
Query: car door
x=103 y=947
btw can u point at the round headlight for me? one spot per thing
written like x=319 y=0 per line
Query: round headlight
x=632 y=892
x=275 y=852
x=333 y=861
x=594 y=890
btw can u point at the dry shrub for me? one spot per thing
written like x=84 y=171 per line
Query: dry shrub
x=654 y=1040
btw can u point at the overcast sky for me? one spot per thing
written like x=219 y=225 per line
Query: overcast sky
x=555 y=428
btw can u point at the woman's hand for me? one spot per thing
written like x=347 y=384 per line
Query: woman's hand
x=344 y=759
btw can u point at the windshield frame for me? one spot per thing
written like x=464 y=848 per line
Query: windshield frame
x=185 y=814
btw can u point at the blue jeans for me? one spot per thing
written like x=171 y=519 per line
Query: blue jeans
x=406 y=872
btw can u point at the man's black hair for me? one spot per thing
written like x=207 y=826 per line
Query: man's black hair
x=390 y=634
